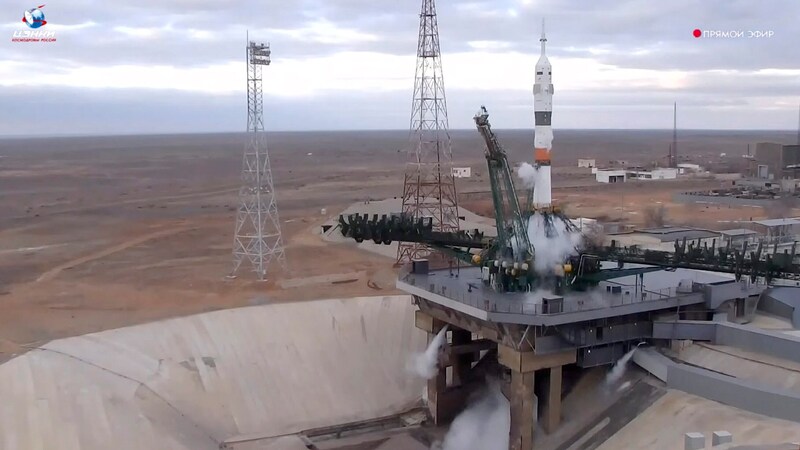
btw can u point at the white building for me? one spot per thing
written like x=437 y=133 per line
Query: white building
x=654 y=174
x=588 y=163
x=663 y=239
x=584 y=223
x=462 y=172
x=610 y=176
x=778 y=230
x=736 y=237
x=690 y=167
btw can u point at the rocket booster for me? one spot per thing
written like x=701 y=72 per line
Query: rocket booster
x=543 y=142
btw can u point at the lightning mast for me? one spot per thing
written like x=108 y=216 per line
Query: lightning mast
x=429 y=185
x=673 y=150
x=257 y=239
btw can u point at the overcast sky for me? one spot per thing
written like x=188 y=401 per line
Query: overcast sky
x=155 y=66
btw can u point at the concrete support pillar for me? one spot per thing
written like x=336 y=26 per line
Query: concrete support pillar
x=522 y=404
x=437 y=397
x=437 y=386
x=443 y=401
x=462 y=362
x=523 y=365
x=553 y=415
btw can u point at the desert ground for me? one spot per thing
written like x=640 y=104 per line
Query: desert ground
x=102 y=232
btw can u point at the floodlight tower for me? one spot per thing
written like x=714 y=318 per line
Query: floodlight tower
x=429 y=188
x=673 y=151
x=257 y=238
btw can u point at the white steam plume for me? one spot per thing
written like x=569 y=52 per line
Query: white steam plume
x=619 y=367
x=528 y=174
x=536 y=297
x=550 y=251
x=484 y=425
x=426 y=364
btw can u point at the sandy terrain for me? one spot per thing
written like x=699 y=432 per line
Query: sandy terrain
x=98 y=233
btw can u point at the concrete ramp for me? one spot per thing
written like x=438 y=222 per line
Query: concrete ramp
x=653 y=362
x=701 y=376
x=193 y=382
x=663 y=424
x=783 y=302
x=744 y=365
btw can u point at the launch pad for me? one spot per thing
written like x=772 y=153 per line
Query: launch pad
x=522 y=333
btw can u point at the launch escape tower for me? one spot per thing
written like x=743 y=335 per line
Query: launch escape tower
x=429 y=186
x=257 y=238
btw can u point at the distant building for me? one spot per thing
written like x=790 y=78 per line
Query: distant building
x=757 y=183
x=462 y=172
x=584 y=223
x=654 y=174
x=587 y=163
x=737 y=237
x=610 y=176
x=777 y=157
x=663 y=238
x=619 y=163
x=789 y=185
x=762 y=172
x=687 y=167
x=622 y=175
x=778 y=230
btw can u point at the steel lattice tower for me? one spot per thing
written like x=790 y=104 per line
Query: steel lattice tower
x=429 y=186
x=673 y=151
x=257 y=238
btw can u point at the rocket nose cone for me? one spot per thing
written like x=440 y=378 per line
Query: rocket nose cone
x=543 y=61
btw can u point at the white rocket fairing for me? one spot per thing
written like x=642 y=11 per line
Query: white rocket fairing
x=543 y=142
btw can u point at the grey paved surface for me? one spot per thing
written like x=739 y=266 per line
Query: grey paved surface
x=640 y=397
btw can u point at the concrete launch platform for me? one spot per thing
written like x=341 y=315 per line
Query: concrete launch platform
x=532 y=335
x=463 y=290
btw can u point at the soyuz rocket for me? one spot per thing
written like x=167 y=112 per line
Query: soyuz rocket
x=543 y=141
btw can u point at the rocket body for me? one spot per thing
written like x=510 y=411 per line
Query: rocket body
x=543 y=141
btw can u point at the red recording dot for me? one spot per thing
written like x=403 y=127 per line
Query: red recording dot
x=697 y=33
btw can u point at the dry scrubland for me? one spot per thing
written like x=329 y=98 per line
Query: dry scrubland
x=102 y=232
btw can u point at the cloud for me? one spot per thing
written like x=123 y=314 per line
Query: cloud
x=324 y=32
x=616 y=63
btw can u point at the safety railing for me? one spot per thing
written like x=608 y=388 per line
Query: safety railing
x=530 y=303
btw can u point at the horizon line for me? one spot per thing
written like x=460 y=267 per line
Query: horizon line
x=370 y=130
